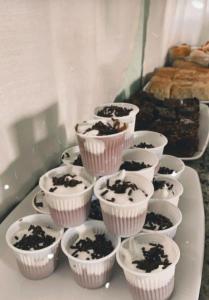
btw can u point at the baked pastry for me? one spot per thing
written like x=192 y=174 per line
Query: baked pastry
x=181 y=63
x=160 y=87
x=200 y=90
x=181 y=90
x=167 y=72
x=179 y=51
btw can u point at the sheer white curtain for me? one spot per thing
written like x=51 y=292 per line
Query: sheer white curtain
x=171 y=22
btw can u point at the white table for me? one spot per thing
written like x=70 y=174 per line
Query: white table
x=61 y=286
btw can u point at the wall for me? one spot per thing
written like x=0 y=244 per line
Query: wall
x=58 y=60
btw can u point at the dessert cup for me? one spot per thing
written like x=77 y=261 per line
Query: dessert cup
x=168 y=210
x=173 y=163
x=40 y=198
x=177 y=189
x=101 y=155
x=35 y=264
x=70 y=155
x=141 y=155
x=127 y=219
x=157 y=285
x=129 y=119
x=90 y=274
x=158 y=140
x=70 y=209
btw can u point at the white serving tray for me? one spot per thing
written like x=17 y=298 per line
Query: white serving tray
x=61 y=286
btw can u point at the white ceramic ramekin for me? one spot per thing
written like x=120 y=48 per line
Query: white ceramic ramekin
x=36 y=264
x=128 y=219
x=168 y=210
x=173 y=163
x=155 y=285
x=72 y=209
x=177 y=190
x=158 y=140
x=95 y=273
x=141 y=155
x=130 y=119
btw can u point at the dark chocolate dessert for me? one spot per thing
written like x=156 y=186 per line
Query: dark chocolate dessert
x=113 y=111
x=78 y=161
x=156 y=221
x=133 y=166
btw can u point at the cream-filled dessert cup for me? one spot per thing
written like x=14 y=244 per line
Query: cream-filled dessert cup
x=151 y=141
x=68 y=191
x=168 y=189
x=147 y=162
x=71 y=156
x=101 y=149
x=171 y=166
x=125 y=112
x=35 y=264
x=156 y=223
x=151 y=277
x=89 y=272
x=124 y=199
x=39 y=203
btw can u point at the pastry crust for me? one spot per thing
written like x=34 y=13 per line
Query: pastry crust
x=200 y=90
x=184 y=74
x=180 y=63
x=160 y=87
x=167 y=72
x=181 y=90
x=179 y=51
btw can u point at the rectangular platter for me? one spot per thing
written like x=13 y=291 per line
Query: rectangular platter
x=60 y=285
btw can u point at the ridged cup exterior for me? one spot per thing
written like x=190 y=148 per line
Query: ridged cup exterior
x=102 y=156
x=38 y=266
x=90 y=274
x=157 y=286
x=124 y=221
x=35 y=264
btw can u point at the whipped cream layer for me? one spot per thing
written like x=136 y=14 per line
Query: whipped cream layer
x=146 y=257
x=91 y=246
x=162 y=189
x=120 y=190
x=65 y=184
x=100 y=128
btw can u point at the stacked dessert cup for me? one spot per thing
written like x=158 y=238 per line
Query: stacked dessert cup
x=98 y=167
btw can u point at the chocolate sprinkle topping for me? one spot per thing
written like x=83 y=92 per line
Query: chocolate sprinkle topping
x=165 y=170
x=106 y=129
x=65 y=181
x=113 y=110
x=133 y=166
x=37 y=203
x=95 y=210
x=36 y=240
x=78 y=161
x=99 y=247
x=157 y=222
x=153 y=258
x=52 y=189
x=159 y=184
x=144 y=145
x=120 y=187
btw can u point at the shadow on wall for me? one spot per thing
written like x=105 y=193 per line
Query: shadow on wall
x=39 y=141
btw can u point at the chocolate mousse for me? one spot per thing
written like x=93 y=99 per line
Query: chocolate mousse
x=114 y=111
x=156 y=221
x=133 y=165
